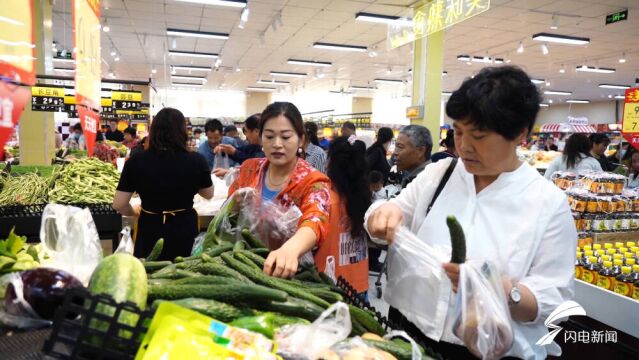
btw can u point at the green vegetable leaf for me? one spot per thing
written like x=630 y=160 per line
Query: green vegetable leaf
x=15 y=243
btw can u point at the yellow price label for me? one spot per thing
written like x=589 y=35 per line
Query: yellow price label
x=86 y=23
x=47 y=91
x=631 y=118
x=126 y=96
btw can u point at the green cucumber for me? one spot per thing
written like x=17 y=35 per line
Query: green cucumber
x=170 y=269
x=259 y=278
x=258 y=260
x=151 y=266
x=331 y=297
x=240 y=245
x=366 y=320
x=204 y=280
x=304 y=276
x=215 y=309
x=292 y=307
x=156 y=251
x=326 y=280
x=160 y=281
x=246 y=261
x=261 y=252
x=252 y=240
x=267 y=323
x=225 y=293
x=214 y=268
x=357 y=329
x=401 y=352
x=457 y=240
x=173 y=274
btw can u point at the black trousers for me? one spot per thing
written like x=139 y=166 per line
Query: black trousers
x=447 y=350
x=179 y=232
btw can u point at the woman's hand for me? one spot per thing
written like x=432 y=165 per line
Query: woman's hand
x=452 y=270
x=225 y=148
x=219 y=172
x=281 y=263
x=385 y=221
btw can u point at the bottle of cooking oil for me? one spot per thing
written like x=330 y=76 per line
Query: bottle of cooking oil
x=608 y=246
x=596 y=246
x=617 y=257
x=591 y=270
x=605 y=279
x=629 y=257
x=622 y=250
x=611 y=251
x=635 y=278
x=624 y=282
x=599 y=254
x=618 y=245
x=587 y=254
x=579 y=266
x=630 y=244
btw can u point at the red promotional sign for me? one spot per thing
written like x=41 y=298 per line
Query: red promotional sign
x=630 y=124
x=17 y=41
x=89 y=120
x=12 y=101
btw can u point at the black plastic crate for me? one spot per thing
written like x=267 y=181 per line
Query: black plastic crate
x=82 y=332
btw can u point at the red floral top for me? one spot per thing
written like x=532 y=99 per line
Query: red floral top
x=307 y=188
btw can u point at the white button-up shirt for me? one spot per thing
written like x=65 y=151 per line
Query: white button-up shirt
x=521 y=222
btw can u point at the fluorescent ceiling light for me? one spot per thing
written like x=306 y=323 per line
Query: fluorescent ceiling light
x=464 y=58
x=444 y=73
x=183 y=77
x=340 y=92
x=186 y=84
x=193 y=54
x=191 y=68
x=584 y=68
x=555 y=92
x=561 y=39
x=612 y=86
x=321 y=45
x=575 y=101
x=230 y=3
x=273 y=82
x=538 y=81
x=198 y=34
x=620 y=97
x=447 y=93
x=288 y=74
x=376 y=18
x=543 y=105
x=64 y=60
x=309 y=63
x=260 y=89
x=366 y=88
x=63 y=69
x=388 y=81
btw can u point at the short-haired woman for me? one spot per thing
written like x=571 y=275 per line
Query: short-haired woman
x=166 y=177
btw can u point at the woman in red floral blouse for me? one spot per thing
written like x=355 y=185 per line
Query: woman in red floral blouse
x=284 y=178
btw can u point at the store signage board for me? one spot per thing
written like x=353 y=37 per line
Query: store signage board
x=415 y=112
x=13 y=99
x=579 y=120
x=47 y=98
x=89 y=120
x=435 y=16
x=17 y=41
x=616 y=17
x=630 y=122
x=126 y=100
x=86 y=27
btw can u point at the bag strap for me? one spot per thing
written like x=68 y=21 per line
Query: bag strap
x=442 y=183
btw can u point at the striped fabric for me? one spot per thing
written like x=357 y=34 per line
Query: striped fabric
x=316 y=156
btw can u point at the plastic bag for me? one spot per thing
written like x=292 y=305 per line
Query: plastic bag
x=33 y=321
x=329 y=270
x=354 y=348
x=126 y=244
x=331 y=327
x=68 y=234
x=417 y=284
x=482 y=317
x=221 y=161
x=231 y=176
x=197 y=244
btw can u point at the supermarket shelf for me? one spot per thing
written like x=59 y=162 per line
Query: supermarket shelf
x=612 y=237
x=612 y=309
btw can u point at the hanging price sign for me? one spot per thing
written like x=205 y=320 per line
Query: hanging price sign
x=630 y=124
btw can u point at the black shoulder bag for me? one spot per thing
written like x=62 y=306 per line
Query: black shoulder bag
x=442 y=183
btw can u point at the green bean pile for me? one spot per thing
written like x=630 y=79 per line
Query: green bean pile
x=85 y=181
x=27 y=189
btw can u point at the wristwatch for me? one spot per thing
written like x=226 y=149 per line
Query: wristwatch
x=515 y=296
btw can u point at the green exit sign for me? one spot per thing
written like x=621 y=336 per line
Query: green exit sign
x=617 y=16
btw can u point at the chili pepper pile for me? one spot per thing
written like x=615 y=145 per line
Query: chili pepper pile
x=85 y=181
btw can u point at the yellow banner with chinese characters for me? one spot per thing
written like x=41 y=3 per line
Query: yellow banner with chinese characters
x=86 y=25
x=17 y=44
x=631 y=111
x=47 y=91
x=106 y=102
x=69 y=100
x=433 y=17
x=126 y=96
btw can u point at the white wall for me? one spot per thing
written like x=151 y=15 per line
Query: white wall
x=388 y=109
x=309 y=102
x=602 y=112
x=201 y=103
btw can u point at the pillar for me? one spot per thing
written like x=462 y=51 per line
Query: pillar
x=428 y=64
x=362 y=105
x=37 y=128
x=256 y=102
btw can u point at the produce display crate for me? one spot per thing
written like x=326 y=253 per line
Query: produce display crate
x=74 y=334
x=26 y=220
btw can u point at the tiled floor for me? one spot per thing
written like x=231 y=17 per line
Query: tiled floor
x=378 y=304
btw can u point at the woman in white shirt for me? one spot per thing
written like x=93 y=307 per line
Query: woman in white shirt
x=576 y=157
x=511 y=215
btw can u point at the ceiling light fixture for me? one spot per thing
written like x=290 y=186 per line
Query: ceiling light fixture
x=288 y=74
x=192 y=68
x=537 y=81
x=575 y=101
x=113 y=52
x=389 y=70
x=106 y=27
x=194 y=54
x=447 y=93
x=561 y=39
x=154 y=71
x=310 y=63
x=388 y=81
x=63 y=60
x=563 y=69
x=376 y=18
x=463 y=58
x=622 y=59
x=244 y=18
x=116 y=58
x=63 y=69
x=181 y=84
x=592 y=69
x=260 y=89
x=273 y=82
x=555 y=22
x=613 y=86
x=229 y=3
x=197 y=34
x=184 y=77
x=544 y=49
x=620 y=97
x=365 y=88
x=111 y=74
x=550 y=101
x=218 y=62
x=339 y=47
x=445 y=73
x=173 y=43
x=520 y=48
x=543 y=105
x=557 y=92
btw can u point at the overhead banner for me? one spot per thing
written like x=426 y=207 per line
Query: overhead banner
x=17 y=41
x=13 y=99
x=47 y=98
x=86 y=27
x=89 y=121
x=630 y=122
x=433 y=17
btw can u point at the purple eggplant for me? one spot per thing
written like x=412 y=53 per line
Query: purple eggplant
x=43 y=289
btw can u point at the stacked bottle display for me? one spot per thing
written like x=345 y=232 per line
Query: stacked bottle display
x=613 y=267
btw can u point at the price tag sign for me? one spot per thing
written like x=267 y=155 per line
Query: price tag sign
x=126 y=100
x=86 y=27
x=47 y=98
x=12 y=101
x=630 y=125
x=89 y=120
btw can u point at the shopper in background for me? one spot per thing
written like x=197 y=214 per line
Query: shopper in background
x=76 y=140
x=576 y=157
x=130 y=140
x=324 y=143
x=599 y=143
x=412 y=151
x=496 y=195
x=376 y=185
x=166 y=177
x=633 y=176
x=376 y=154
x=350 y=196
x=197 y=136
x=313 y=153
x=252 y=150
x=348 y=129
x=284 y=178
x=550 y=145
x=231 y=131
x=113 y=133
x=213 y=130
x=449 y=144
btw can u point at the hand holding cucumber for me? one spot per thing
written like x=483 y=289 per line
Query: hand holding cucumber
x=281 y=263
x=385 y=221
